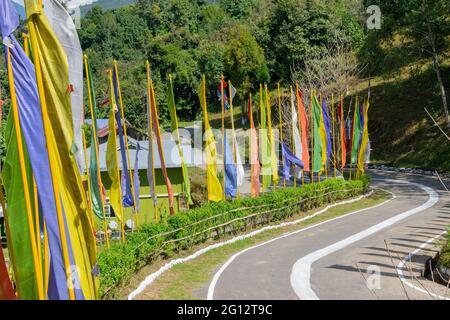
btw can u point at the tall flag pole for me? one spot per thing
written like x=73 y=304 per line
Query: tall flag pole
x=265 y=144
x=274 y=153
x=254 y=153
x=318 y=163
x=86 y=176
x=356 y=135
x=240 y=173
x=112 y=159
x=215 y=191
x=333 y=120
x=129 y=174
x=37 y=264
x=151 y=155
x=364 y=142
x=296 y=139
x=97 y=197
x=343 y=135
x=280 y=114
x=222 y=102
x=303 y=124
x=75 y=236
x=176 y=133
x=313 y=133
x=157 y=132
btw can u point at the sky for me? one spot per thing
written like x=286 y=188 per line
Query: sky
x=71 y=3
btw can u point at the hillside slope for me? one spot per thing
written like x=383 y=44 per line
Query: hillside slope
x=401 y=132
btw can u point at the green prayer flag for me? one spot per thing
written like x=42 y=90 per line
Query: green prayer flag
x=96 y=198
x=25 y=276
x=318 y=152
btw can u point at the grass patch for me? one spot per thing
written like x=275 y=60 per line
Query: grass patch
x=184 y=280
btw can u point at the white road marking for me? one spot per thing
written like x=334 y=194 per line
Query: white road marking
x=301 y=272
x=152 y=277
x=402 y=264
x=216 y=277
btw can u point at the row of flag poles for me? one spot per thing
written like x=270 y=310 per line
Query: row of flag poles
x=49 y=216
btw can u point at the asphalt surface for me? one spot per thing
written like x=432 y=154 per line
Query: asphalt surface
x=351 y=258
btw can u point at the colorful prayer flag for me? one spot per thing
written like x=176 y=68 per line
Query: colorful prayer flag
x=94 y=170
x=157 y=133
x=343 y=136
x=289 y=159
x=318 y=163
x=254 y=152
x=215 y=191
x=274 y=153
x=175 y=132
x=356 y=135
x=112 y=159
x=305 y=130
x=127 y=193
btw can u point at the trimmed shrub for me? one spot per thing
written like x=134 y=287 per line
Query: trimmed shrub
x=185 y=230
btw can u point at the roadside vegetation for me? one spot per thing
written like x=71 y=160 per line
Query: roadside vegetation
x=175 y=234
x=188 y=281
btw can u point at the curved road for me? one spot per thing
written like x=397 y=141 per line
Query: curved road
x=336 y=259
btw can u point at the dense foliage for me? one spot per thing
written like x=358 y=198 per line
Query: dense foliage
x=183 y=231
x=249 y=41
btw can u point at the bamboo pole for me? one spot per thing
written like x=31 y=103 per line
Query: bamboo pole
x=261 y=106
x=26 y=46
x=94 y=132
x=299 y=120
x=233 y=131
x=353 y=139
x=29 y=210
x=281 y=129
x=122 y=113
x=312 y=134
x=161 y=152
x=114 y=131
x=293 y=134
x=334 y=134
x=222 y=98
x=180 y=149
x=150 y=137
x=252 y=169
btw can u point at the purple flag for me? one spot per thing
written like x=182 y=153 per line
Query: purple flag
x=289 y=160
x=33 y=132
x=327 y=121
x=230 y=171
x=137 y=180
x=127 y=194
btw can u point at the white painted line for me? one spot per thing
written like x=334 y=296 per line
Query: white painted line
x=301 y=272
x=152 y=277
x=216 y=277
x=402 y=264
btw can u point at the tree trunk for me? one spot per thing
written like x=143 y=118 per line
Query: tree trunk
x=432 y=43
x=442 y=88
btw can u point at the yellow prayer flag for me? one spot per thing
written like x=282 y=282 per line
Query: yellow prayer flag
x=215 y=190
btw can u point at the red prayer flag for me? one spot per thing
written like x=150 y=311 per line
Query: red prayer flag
x=304 y=125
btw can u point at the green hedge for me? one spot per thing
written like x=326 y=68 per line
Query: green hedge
x=185 y=230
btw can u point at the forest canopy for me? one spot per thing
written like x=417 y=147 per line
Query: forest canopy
x=249 y=41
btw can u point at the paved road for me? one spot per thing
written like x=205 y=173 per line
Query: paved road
x=332 y=260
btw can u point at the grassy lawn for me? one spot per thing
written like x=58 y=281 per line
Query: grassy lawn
x=184 y=281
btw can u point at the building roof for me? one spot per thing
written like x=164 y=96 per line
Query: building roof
x=171 y=154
